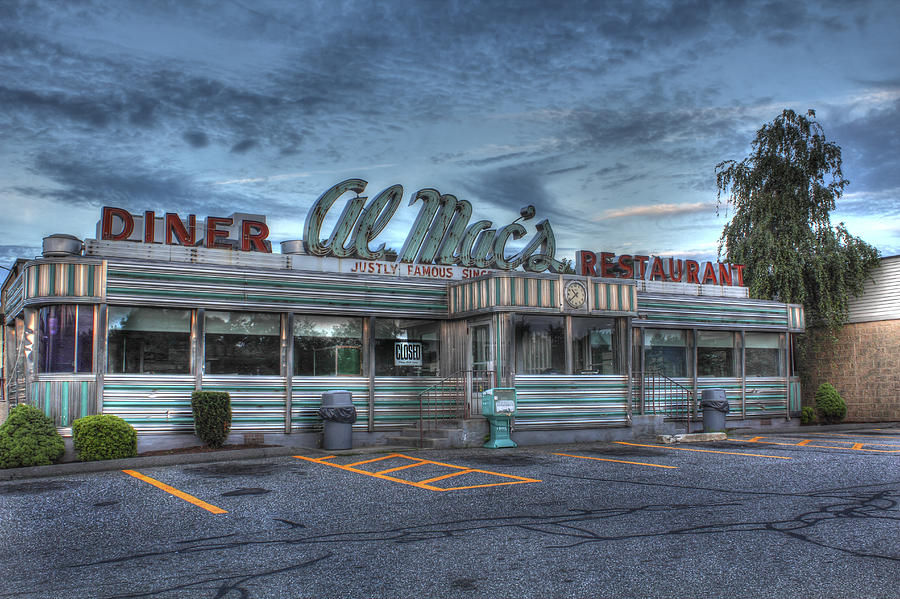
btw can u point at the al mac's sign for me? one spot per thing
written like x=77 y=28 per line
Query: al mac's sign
x=443 y=233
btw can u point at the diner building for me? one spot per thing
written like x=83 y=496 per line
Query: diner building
x=154 y=308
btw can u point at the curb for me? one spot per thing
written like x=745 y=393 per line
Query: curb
x=691 y=438
x=179 y=459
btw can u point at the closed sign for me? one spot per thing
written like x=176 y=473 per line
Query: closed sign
x=407 y=353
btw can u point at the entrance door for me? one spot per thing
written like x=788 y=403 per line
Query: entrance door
x=481 y=364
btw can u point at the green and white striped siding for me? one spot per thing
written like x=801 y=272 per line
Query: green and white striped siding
x=709 y=312
x=64 y=279
x=397 y=400
x=766 y=397
x=612 y=297
x=64 y=400
x=559 y=402
x=14 y=298
x=732 y=387
x=225 y=288
x=257 y=402
x=796 y=317
x=501 y=291
x=306 y=397
x=150 y=403
x=656 y=399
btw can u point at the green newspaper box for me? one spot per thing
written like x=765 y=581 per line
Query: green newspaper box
x=498 y=405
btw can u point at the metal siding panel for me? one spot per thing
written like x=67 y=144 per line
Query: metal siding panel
x=307 y=397
x=397 y=400
x=257 y=402
x=766 y=396
x=880 y=299
x=554 y=402
x=150 y=403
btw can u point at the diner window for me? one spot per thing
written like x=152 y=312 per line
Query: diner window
x=407 y=347
x=65 y=338
x=764 y=354
x=149 y=340
x=540 y=345
x=595 y=346
x=718 y=354
x=243 y=343
x=667 y=352
x=327 y=346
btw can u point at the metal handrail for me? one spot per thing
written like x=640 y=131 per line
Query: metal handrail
x=448 y=399
x=664 y=396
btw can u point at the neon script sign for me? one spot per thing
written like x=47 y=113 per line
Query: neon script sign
x=442 y=233
x=655 y=268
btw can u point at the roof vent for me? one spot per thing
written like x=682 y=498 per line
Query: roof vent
x=295 y=246
x=59 y=245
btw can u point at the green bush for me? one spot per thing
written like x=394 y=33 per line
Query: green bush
x=830 y=405
x=212 y=416
x=103 y=437
x=807 y=415
x=28 y=438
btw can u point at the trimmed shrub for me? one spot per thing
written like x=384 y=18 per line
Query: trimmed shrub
x=103 y=437
x=807 y=415
x=212 y=416
x=28 y=438
x=830 y=405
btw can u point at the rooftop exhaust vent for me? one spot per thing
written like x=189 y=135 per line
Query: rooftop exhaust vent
x=60 y=245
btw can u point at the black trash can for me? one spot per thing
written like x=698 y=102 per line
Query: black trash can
x=715 y=407
x=339 y=414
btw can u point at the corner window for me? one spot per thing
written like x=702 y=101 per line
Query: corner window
x=540 y=345
x=667 y=352
x=65 y=339
x=407 y=347
x=595 y=346
x=243 y=343
x=149 y=340
x=327 y=346
x=764 y=355
x=718 y=355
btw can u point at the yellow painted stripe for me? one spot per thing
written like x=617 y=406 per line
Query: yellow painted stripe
x=584 y=457
x=857 y=446
x=804 y=442
x=423 y=484
x=445 y=476
x=755 y=455
x=401 y=468
x=386 y=457
x=172 y=490
x=891 y=437
x=808 y=443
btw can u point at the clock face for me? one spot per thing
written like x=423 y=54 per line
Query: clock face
x=575 y=294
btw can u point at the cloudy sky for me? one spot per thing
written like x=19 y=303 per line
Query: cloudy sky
x=608 y=117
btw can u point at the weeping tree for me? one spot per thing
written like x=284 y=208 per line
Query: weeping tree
x=780 y=198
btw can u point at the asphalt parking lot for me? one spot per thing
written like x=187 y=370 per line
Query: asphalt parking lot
x=787 y=515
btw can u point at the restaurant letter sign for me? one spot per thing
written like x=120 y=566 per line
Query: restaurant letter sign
x=656 y=268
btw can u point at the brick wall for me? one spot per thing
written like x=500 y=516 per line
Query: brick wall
x=863 y=363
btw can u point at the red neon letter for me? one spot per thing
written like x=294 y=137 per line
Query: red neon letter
x=692 y=269
x=606 y=264
x=625 y=263
x=107 y=217
x=709 y=274
x=174 y=226
x=257 y=240
x=672 y=270
x=149 y=227
x=657 y=270
x=213 y=234
x=585 y=261
x=724 y=274
x=739 y=271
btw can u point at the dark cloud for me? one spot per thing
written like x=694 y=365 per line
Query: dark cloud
x=243 y=146
x=197 y=139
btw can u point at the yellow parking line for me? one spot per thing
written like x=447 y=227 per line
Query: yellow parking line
x=446 y=476
x=755 y=455
x=424 y=484
x=172 y=490
x=386 y=457
x=892 y=438
x=401 y=468
x=808 y=443
x=584 y=457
